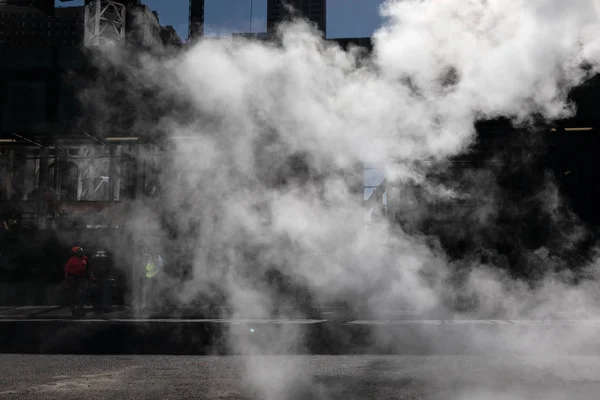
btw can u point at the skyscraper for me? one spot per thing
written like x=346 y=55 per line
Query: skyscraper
x=196 y=27
x=281 y=10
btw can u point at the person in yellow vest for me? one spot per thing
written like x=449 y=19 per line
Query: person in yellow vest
x=150 y=281
x=153 y=266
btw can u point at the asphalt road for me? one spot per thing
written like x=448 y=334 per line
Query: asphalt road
x=299 y=377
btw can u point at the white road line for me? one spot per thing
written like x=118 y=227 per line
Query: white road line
x=169 y=320
x=475 y=322
x=50 y=320
x=227 y=321
x=312 y=321
x=401 y=322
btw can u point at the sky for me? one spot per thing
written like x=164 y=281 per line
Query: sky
x=345 y=18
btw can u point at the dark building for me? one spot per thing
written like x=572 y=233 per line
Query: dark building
x=347 y=43
x=281 y=10
x=142 y=26
x=47 y=6
x=27 y=26
x=196 y=28
x=254 y=36
x=169 y=36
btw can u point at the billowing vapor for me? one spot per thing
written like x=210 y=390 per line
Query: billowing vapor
x=262 y=188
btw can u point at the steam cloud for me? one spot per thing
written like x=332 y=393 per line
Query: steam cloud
x=253 y=108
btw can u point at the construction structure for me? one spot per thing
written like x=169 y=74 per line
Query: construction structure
x=104 y=22
x=125 y=21
x=57 y=177
x=53 y=170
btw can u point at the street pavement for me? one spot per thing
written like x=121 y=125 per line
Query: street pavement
x=51 y=330
x=32 y=377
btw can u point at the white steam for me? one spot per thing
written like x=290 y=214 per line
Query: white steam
x=437 y=67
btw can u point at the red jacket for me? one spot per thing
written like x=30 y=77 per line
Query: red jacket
x=76 y=266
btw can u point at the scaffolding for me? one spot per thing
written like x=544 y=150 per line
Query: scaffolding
x=104 y=22
x=42 y=183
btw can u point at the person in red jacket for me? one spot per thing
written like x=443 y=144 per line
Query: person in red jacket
x=75 y=276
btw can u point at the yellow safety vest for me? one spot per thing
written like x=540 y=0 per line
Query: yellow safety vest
x=151 y=269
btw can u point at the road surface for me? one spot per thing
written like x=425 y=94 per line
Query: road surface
x=299 y=377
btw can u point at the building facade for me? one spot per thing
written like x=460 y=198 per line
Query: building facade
x=47 y=6
x=23 y=24
x=27 y=26
x=143 y=26
x=170 y=37
x=281 y=10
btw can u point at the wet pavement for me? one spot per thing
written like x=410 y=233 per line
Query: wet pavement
x=300 y=377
